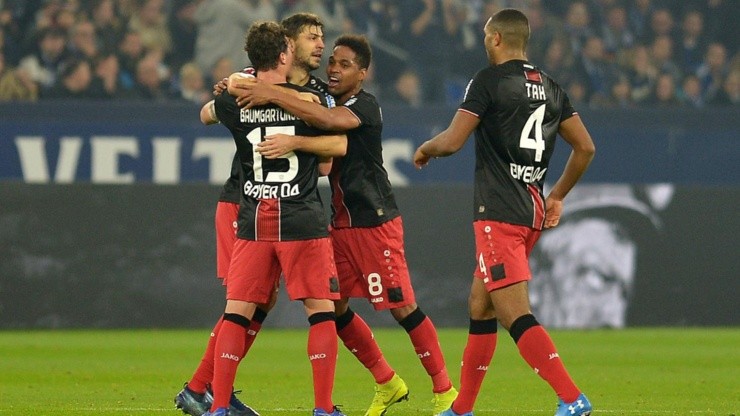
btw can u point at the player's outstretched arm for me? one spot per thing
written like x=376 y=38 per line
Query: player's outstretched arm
x=208 y=113
x=449 y=141
x=276 y=145
x=575 y=133
x=333 y=119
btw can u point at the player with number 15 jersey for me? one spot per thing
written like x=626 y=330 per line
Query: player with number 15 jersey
x=514 y=140
x=280 y=198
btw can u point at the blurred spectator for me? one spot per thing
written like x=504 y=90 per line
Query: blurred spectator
x=712 y=72
x=130 y=52
x=730 y=93
x=621 y=94
x=106 y=82
x=430 y=26
x=42 y=65
x=222 y=25
x=639 y=14
x=149 y=83
x=617 y=35
x=222 y=69
x=692 y=44
x=183 y=30
x=108 y=25
x=578 y=26
x=642 y=74
x=150 y=22
x=75 y=78
x=15 y=85
x=406 y=90
x=662 y=51
x=661 y=24
x=192 y=85
x=389 y=53
x=84 y=41
x=559 y=61
x=690 y=93
x=545 y=29
x=664 y=94
x=576 y=91
x=596 y=71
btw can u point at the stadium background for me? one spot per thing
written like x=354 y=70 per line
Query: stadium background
x=107 y=195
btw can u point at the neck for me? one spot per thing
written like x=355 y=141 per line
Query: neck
x=272 y=77
x=298 y=76
x=510 y=55
x=346 y=96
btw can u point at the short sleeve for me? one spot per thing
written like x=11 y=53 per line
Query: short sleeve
x=568 y=110
x=226 y=108
x=365 y=109
x=477 y=94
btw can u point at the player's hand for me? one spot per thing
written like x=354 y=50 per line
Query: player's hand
x=553 y=212
x=220 y=86
x=254 y=93
x=307 y=96
x=421 y=159
x=276 y=145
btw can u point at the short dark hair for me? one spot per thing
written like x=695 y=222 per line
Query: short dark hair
x=513 y=26
x=360 y=46
x=294 y=24
x=264 y=44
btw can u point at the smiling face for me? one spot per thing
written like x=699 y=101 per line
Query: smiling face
x=344 y=74
x=309 y=47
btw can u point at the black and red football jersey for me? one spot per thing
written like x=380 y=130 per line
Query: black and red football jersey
x=361 y=192
x=230 y=191
x=317 y=84
x=279 y=197
x=520 y=109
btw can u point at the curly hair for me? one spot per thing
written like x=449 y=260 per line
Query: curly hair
x=264 y=44
x=360 y=46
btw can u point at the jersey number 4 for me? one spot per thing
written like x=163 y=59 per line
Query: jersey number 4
x=534 y=125
x=255 y=137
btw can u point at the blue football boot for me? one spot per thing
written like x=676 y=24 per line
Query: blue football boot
x=192 y=403
x=333 y=412
x=236 y=407
x=580 y=407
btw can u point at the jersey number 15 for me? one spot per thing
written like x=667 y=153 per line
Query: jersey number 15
x=255 y=137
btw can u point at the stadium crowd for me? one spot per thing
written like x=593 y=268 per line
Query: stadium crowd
x=605 y=53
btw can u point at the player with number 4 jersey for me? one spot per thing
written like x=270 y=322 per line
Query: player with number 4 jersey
x=516 y=111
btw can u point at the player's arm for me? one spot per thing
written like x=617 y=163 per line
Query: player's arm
x=238 y=82
x=449 y=141
x=332 y=119
x=325 y=166
x=575 y=133
x=326 y=146
x=208 y=113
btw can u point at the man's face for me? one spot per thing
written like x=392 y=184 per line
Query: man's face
x=309 y=47
x=588 y=280
x=343 y=73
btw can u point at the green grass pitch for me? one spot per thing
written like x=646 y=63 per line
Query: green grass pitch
x=646 y=371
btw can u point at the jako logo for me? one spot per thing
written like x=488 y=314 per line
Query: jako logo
x=553 y=356
x=316 y=356
x=425 y=354
x=231 y=357
x=482 y=368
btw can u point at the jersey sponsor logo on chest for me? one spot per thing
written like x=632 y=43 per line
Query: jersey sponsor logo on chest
x=265 y=191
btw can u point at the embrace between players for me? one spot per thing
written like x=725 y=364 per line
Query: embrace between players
x=270 y=219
